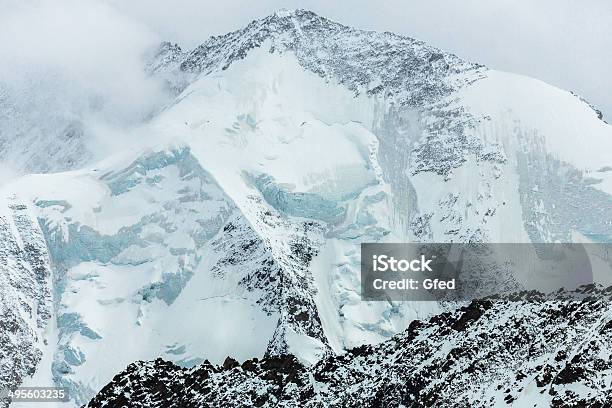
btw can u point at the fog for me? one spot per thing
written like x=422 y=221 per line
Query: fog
x=84 y=55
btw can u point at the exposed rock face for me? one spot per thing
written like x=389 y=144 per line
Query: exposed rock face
x=400 y=67
x=277 y=270
x=525 y=349
x=25 y=298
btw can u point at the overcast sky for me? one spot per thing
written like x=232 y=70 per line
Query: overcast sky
x=565 y=43
x=95 y=42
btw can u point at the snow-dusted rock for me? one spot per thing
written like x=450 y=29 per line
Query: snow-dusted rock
x=25 y=294
x=525 y=349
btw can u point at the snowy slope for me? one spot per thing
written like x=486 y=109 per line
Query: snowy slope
x=125 y=245
x=233 y=226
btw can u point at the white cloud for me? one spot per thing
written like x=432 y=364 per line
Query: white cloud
x=68 y=63
x=81 y=55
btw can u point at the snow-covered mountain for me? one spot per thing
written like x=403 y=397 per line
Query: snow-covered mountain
x=233 y=227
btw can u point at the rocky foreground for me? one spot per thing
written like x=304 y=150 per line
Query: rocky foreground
x=526 y=349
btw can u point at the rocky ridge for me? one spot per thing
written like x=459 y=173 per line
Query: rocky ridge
x=523 y=349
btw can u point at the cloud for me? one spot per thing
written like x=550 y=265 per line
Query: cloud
x=81 y=53
x=71 y=63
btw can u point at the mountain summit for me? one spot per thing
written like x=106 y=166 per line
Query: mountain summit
x=363 y=61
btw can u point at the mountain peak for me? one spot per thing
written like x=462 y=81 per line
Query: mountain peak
x=405 y=69
x=284 y=12
x=294 y=13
